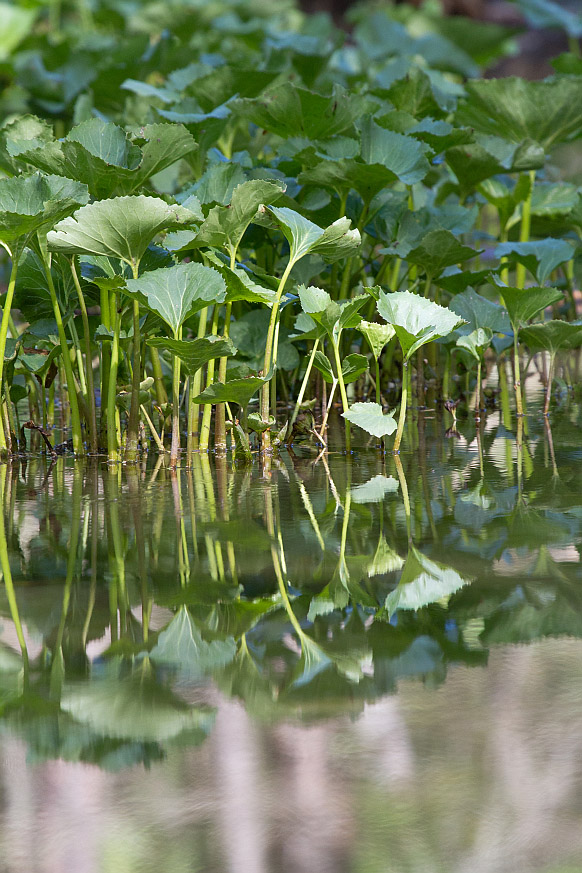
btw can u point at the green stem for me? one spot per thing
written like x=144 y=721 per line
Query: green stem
x=112 y=441
x=4 y=333
x=342 y=387
x=525 y=229
x=175 y=447
x=270 y=358
x=72 y=394
x=207 y=414
x=403 y=401
x=517 y=383
x=303 y=388
x=195 y=385
x=549 y=385
x=93 y=436
x=133 y=423
x=220 y=413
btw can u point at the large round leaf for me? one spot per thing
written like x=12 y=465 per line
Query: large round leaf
x=122 y=227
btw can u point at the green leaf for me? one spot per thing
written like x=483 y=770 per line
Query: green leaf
x=17 y=135
x=541 y=257
x=181 y=645
x=305 y=237
x=404 y=156
x=371 y=418
x=416 y=320
x=29 y=204
x=291 y=111
x=101 y=154
x=239 y=283
x=473 y=163
x=439 y=249
x=195 y=353
x=32 y=296
x=177 y=292
x=15 y=23
x=546 y=111
x=374 y=490
x=377 y=335
x=480 y=312
x=523 y=303
x=225 y=225
x=422 y=582
x=476 y=342
x=552 y=336
x=234 y=391
x=248 y=333
x=121 y=228
x=352 y=367
x=322 y=363
x=332 y=316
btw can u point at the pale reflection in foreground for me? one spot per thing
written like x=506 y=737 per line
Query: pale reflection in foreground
x=483 y=774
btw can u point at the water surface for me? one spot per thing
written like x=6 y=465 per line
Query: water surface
x=346 y=663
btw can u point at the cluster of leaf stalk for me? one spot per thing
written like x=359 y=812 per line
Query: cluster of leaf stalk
x=348 y=239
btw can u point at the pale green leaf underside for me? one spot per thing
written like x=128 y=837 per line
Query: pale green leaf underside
x=371 y=418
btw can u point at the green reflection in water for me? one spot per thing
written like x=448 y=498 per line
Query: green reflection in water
x=306 y=590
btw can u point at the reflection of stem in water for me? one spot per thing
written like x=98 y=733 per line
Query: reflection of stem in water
x=221 y=484
x=94 y=545
x=192 y=506
x=72 y=550
x=480 y=450
x=519 y=450
x=117 y=589
x=405 y=497
x=136 y=507
x=424 y=476
x=215 y=562
x=551 y=447
x=183 y=559
x=309 y=509
x=276 y=554
x=334 y=491
x=7 y=574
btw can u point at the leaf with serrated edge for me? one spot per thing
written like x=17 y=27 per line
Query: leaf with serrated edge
x=371 y=418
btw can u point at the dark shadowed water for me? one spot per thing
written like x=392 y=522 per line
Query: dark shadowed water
x=343 y=664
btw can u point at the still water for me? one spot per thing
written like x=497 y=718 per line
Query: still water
x=347 y=664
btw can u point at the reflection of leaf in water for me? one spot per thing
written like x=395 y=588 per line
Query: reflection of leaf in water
x=520 y=624
x=181 y=644
x=375 y=489
x=134 y=708
x=385 y=559
x=422 y=582
x=313 y=660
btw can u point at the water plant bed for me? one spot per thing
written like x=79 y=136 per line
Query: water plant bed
x=290 y=528
x=214 y=222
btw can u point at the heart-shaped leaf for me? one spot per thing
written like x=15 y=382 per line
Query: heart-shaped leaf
x=225 y=225
x=523 y=303
x=377 y=335
x=177 y=292
x=552 y=336
x=195 y=353
x=476 y=342
x=480 y=312
x=439 y=249
x=29 y=204
x=371 y=418
x=540 y=257
x=416 y=320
